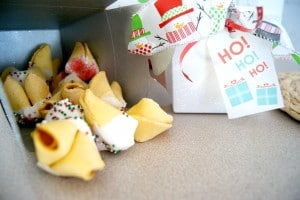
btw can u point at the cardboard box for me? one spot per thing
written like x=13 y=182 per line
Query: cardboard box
x=195 y=159
x=27 y=24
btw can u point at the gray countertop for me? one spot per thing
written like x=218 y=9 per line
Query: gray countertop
x=203 y=156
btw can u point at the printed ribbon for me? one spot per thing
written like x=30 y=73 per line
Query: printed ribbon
x=182 y=55
x=232 y=26
x=292 y=55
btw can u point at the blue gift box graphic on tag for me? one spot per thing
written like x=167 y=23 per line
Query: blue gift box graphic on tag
x=266 y=95
x=238 y=93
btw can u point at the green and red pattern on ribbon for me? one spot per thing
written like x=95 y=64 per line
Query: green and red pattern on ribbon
x=181 y=57
x=232 y=26
x=144 y=50
x=137 y=33
x=181 y=33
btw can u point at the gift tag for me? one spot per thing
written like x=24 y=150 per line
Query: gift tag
x=164 y=23
x=246 y=73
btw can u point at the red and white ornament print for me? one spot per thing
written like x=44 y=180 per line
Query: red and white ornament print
x=140 y=47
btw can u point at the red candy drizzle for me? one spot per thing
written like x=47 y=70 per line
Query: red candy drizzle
x=82 y=68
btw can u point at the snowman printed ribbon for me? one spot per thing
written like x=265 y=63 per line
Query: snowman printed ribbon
x=164 y=23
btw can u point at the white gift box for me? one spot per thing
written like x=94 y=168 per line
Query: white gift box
x=193 y=82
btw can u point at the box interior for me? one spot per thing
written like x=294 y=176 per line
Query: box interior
x=26 y=24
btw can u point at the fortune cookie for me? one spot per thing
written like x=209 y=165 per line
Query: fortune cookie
x=19 y=75
x=152 y=119
x=82 y=62
x=16 y=94
x=48 y=104
x=117 y=90
x=65 y=109
x=115 y=128
x=42 y=59
x=72 y=91
x=100 y=86
x=63 y=150
x=56 y=64
x=36 y=88
x=37 y=71
x=70 y=78
x=55 y=81
x=45 y=107
x=28 y=116
x=7 y=71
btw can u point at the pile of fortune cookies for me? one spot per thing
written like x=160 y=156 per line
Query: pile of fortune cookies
x=76 y=113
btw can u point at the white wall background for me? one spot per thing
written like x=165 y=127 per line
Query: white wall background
x=291 y=21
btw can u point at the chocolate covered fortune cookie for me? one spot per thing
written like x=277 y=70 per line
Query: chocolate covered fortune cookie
x=25 y=112
x=21 y=75
x=64 y=109
x=63 y=150
x=70 y=78
x=42 y=59
x=16 y=94
x=36 y=88
x=117 y=90
x=37 y=71
x=48 y=104
x=82 y=62
x=100 y=86
x=115 y=128
x=45 y=107
x=7 y=71
x=152 y=119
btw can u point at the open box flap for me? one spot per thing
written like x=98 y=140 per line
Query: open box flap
x=132 y=71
